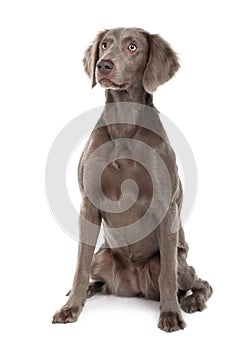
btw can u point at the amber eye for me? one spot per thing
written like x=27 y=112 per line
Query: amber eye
x=104 y=46
x=132 y=47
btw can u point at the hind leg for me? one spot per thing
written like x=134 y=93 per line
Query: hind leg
x=113 y=275
x=100 y=273
x=196 y=300
x=193 y=292
x=94 y=287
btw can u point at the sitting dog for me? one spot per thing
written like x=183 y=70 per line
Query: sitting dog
x=140 y=257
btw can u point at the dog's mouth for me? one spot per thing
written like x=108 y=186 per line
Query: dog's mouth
x=110 y=84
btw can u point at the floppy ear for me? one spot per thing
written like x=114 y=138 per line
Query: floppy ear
x=91 y=57
x=161 y=65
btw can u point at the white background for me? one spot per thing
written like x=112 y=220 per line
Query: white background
x=43 y=86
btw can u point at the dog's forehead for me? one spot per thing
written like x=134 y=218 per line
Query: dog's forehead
x=120 y=34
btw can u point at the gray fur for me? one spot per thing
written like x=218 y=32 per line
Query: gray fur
x=154 y=267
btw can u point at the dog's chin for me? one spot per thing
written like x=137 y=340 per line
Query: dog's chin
x=109 y=84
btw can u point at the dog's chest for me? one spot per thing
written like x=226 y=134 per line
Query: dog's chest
x=117 y=169
x=125 y=176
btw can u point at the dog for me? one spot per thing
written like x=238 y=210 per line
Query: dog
x=150 y=261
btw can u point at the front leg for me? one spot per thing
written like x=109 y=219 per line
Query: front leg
x=170 y=316
x=89 y=225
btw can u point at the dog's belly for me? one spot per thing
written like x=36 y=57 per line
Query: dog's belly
x=140 y=251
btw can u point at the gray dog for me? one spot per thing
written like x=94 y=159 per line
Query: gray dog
x=149 y=260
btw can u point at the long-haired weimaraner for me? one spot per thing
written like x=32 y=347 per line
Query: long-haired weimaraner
x=150 y=261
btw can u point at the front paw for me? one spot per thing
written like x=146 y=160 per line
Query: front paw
x=171 y=321
x=67 y=314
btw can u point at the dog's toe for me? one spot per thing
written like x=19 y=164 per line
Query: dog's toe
x=66 y=314
x=171 y=321
x=193 y=303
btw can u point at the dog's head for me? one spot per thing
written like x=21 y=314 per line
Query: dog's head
x=123 y=57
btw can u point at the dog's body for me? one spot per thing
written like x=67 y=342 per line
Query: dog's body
x=131 y=63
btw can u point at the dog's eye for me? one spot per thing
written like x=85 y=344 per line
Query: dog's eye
x=104 y=46
x=132 y=47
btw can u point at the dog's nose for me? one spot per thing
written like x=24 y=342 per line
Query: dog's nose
x=105 y=66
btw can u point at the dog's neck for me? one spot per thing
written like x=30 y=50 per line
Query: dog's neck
x=123 y=111
x=132 y=94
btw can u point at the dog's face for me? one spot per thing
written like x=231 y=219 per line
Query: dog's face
x=122 y=58
x=130 y=57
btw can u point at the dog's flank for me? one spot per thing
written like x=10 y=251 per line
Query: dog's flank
x=131 y=63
